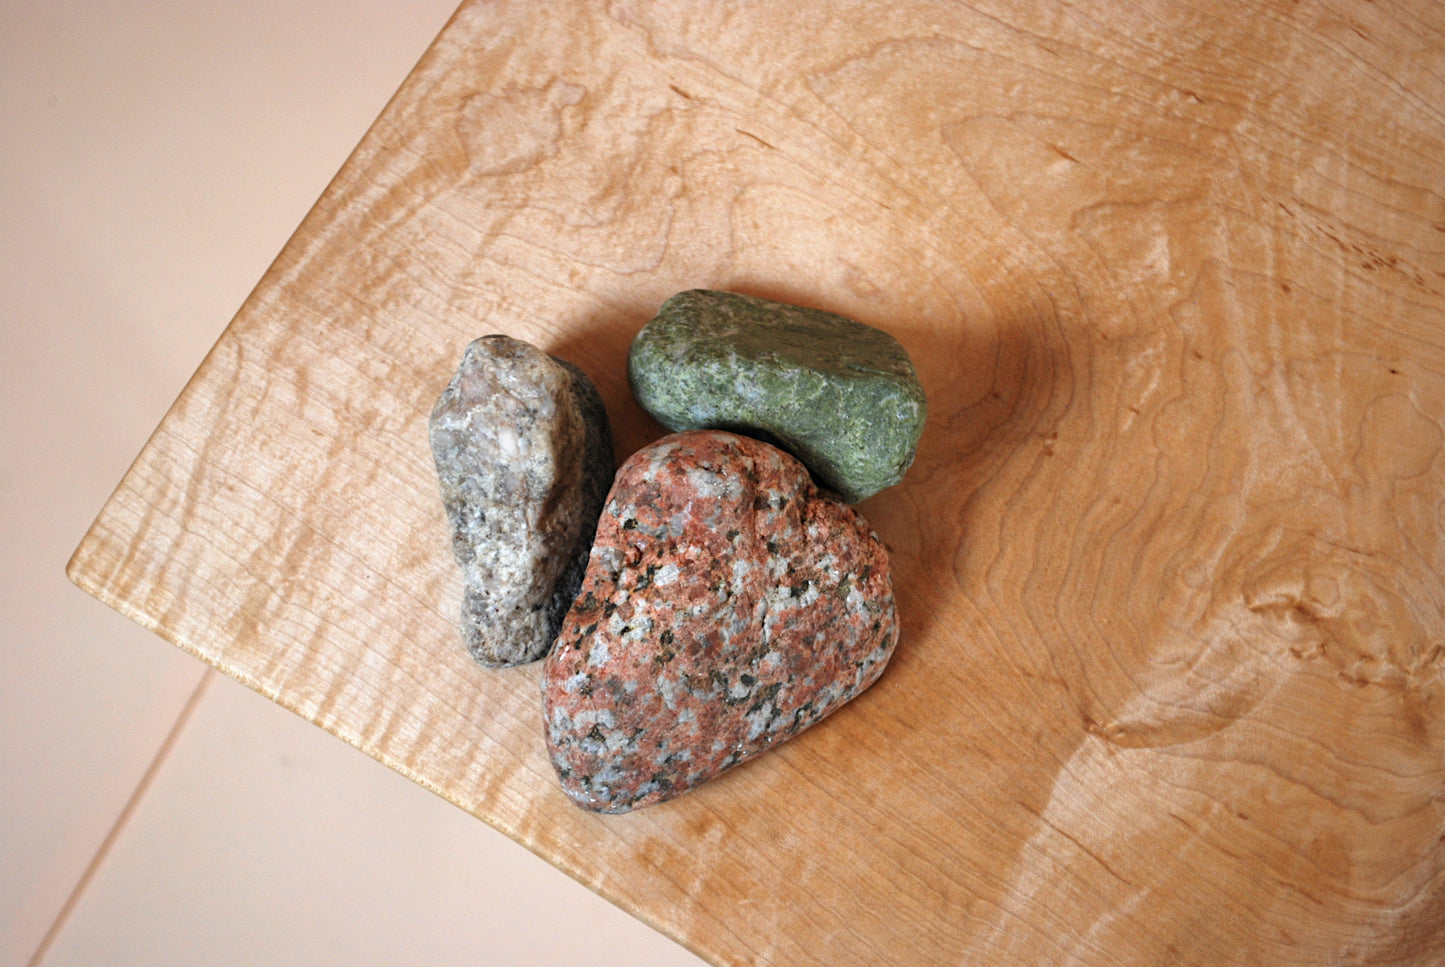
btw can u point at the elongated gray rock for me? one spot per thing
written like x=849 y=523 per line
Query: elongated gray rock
x=840 y=396
x=523 y=450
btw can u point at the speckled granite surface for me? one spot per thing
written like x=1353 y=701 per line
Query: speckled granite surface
x=727 y=606
x=840 y=396
x=523 y=450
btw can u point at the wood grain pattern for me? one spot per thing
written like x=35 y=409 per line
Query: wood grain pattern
x=1169 y=563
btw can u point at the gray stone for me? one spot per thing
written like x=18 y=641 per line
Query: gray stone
x=523 y=450
x=840 y=396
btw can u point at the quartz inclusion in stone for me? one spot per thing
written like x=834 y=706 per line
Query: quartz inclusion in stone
x=840 y=396
x=728 y=605
x=524 y=453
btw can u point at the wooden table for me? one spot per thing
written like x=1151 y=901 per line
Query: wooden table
x=1169 y=562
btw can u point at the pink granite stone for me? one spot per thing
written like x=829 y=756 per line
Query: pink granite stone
x=727 y=606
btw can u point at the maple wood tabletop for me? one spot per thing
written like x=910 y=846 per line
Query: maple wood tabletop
x=1168 y=565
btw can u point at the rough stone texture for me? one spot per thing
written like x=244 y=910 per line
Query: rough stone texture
x=838 y=395
x=728 y=605
x=524 y=453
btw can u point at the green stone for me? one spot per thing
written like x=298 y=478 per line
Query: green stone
x=840 y=396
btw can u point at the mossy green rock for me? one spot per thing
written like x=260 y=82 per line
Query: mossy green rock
x=840 y=396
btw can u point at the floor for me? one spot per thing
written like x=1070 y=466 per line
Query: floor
x=156 y=157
